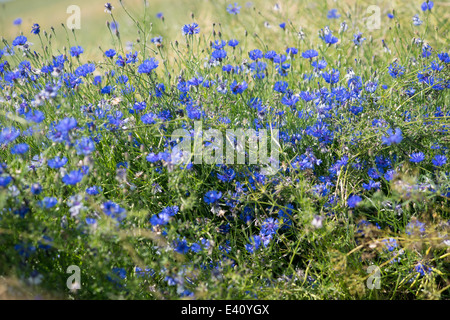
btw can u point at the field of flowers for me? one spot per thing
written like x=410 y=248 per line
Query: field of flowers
x=124 y=173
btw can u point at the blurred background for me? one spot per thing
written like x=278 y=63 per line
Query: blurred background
x=260 y=17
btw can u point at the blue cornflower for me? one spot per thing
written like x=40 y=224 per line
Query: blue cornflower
x=73 y=177
x=332 y=76
x=392 y=138
x=35 y=29
x=20 y=148
x=255 y=244
x=390 y=15
x=85 y=146
x=160 y=15
x=279 y=58
x=356 y=109
x=36 y=188
x=66 y=124
x=97 y=80
x=181 y=246
x=106 y=90
x=120 y=61
x=307 y=96
x=426 y=51
x=309 y=54
x=219 y=54
x=110 y=53
x=329 y=38
x=159 y=90
x=19 y=41
x=226 y=175
x=285 y=216
x=165 y=115
x=122 y=79
x=160 y=219
x=270 y=55
x=8 y=135
x=76 y=51
x=212 y=196
x=233 y=43
x=149 y=118
x=439 y=160
x=218 y=44
x=427 y=5
x=132 y=57
x=269 y=226
x=280 y=86
x=353 y=201
x=189 y=29
x=36 y=116
x=153 y=157
x=435 y=66
x=282 y=25
x=332 y=14
x=57 y=162
x=289 y=99
x=48 y=202
x=319 y=65
x=382 y=162
x=164 y=216
x=292 y=51
x=4 y=181
x=114 y=211
x=410 y=92
x=233 y=9
x=108 y=7
x=94 y=190
x=371 y=185
x=17 y=22
x=148 y=65
x=358 y=39
x=258 y=68
x=417 y=157
x=371 y=86
x=139 y=106
x=389 y=175
x=238 y=87
x=283 y=69
x=85 y=69
x=157 y=40
x=193 y=112
x=444 y=57
x=255 y=54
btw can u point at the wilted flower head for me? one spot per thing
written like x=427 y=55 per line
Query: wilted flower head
x=416 y=20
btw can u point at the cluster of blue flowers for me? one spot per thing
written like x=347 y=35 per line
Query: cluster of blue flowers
x=92 y=139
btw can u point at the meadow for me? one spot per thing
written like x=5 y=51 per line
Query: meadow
x=125 y=170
